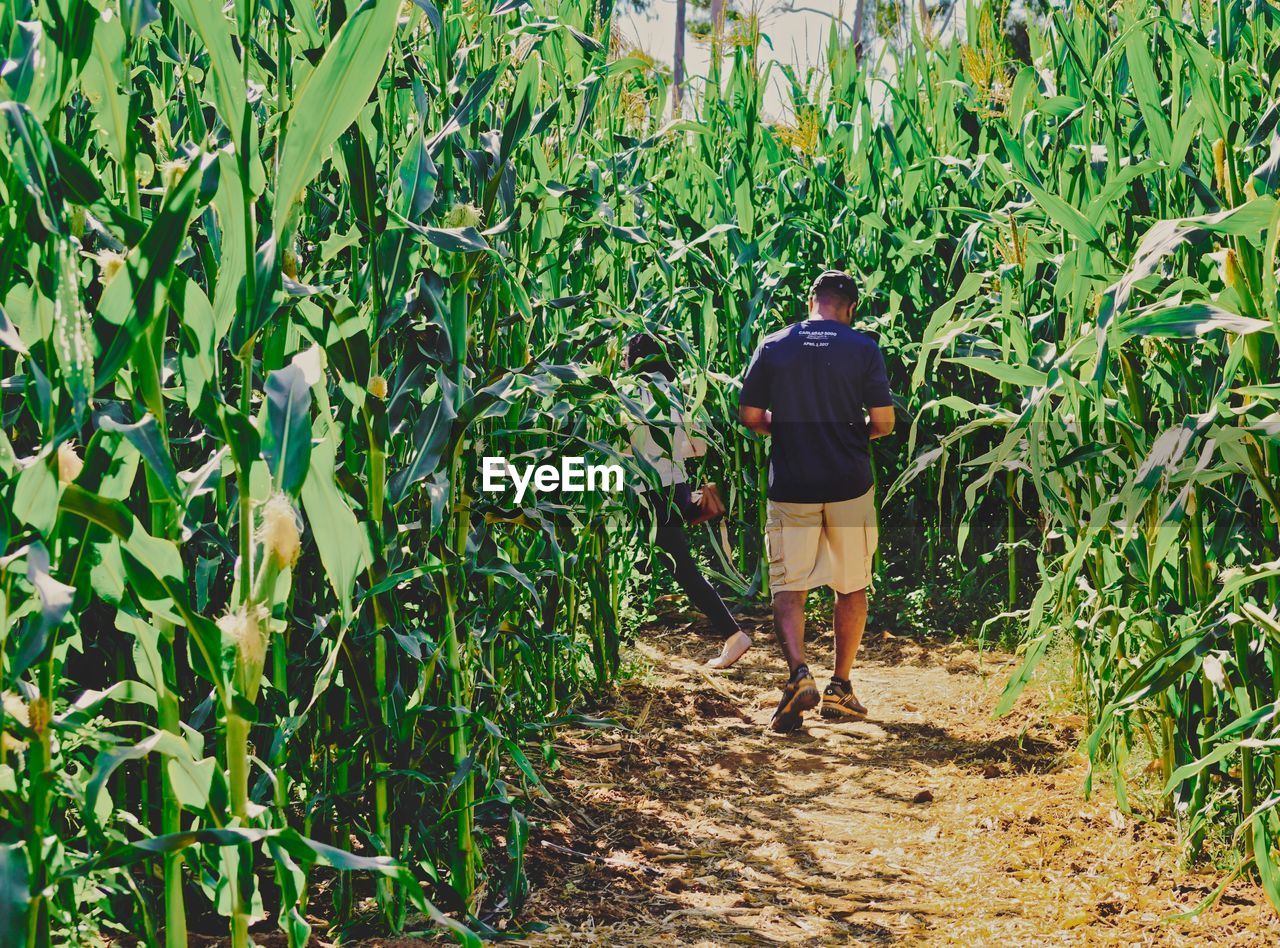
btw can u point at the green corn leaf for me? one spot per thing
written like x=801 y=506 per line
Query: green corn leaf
x=520 y=109
x=1163 y=239
x=111 y=515
x=430 y=436
x=30 y=71
x=342 y=542
x=1013 y=374
x=137 y=296
x=418 y=176
x=468 y=109
x=1146 y=83
x=145 y=435
x=1266 y=177
x=108 y=762
x=304 y=17
x=102 y=79
x=15 y=894
x=1064 y=214
x=29 y=154
x=455 y=239
x=35 y=497
x=630 y=235
x=1189 y=320
x=1035 y=652
x=286 y=446
x=1184 y=773
x=331 y=99
x=9 y=334
x=216 y=33
x=55 y=603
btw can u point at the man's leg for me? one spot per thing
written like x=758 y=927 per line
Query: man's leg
x=852 y=536
x=851 y=622
x=788 y=625
x=794 y=532
x=800 y=693
x=793 y=537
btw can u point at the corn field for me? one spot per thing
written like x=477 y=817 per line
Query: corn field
x=275 y=277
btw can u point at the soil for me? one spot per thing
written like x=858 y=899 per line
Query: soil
x=930 y=823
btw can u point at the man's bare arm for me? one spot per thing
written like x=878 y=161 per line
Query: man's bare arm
x=757 y=419
x=881 y=422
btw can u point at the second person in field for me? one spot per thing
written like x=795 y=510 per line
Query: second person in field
x=663 y=447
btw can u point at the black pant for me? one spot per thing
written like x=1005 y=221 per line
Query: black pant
x=672 y=537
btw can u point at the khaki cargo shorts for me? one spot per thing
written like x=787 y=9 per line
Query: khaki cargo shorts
x=822 y=544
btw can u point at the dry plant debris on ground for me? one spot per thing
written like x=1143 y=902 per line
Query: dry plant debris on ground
x=928 y=824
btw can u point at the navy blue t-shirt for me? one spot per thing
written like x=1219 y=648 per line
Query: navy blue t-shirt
x=818 y=377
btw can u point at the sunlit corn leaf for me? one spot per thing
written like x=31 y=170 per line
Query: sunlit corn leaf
x=137 y=296
x=226 y=75
x=1192 y=319
x=286 y=445
x=339 y=537
x=472 y=101
x=332 y=98
x=30 y=156
x=144 y=434
x=55 y=602
x=455 y=239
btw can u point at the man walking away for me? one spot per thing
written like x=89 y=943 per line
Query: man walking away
x=819 y=390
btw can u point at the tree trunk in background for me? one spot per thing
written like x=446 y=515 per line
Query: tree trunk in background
x=858 y=10
x=717 y=18
x=678 y=66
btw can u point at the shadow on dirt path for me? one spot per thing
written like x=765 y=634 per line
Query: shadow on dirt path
x=929 y=823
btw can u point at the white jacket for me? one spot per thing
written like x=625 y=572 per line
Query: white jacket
x=643 y=444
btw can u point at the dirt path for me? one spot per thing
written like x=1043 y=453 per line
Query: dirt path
x=928 y=824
